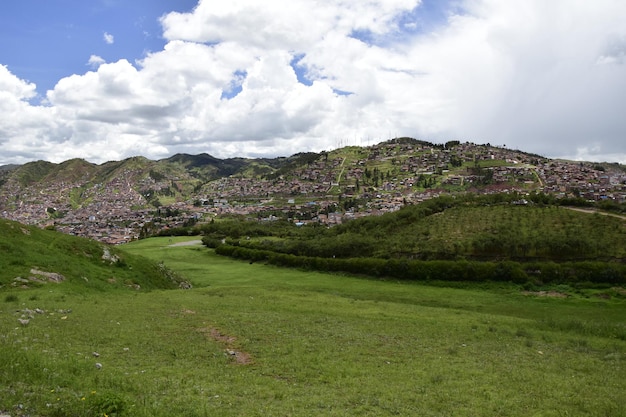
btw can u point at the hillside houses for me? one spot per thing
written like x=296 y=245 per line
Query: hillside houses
x=328 y=188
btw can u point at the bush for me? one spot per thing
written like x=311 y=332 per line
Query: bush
x=108 y=404
x=11 y=298
x=535 y=273
x=211 y=242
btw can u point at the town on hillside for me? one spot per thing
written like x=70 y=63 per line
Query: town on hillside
x=328 y=188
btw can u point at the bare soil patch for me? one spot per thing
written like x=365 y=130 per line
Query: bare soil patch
x=552 y=294
x=228 y=342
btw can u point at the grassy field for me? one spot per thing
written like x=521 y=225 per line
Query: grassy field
x=252 y=340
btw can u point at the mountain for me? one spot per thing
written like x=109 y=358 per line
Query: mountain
x=8 y=167
x=121 y=200
x=31 y=172
x=206 y=167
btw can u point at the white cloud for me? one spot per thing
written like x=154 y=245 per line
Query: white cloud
x=285 y=24
x=95 y=61
x=13 y=89
x=108 y=38
x=23 y=127
x=543 y=77
x=531 y=80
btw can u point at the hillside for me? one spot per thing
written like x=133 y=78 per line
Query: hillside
x=32 y=257
x=497 y=237
x=494 y=227
x=118 y=201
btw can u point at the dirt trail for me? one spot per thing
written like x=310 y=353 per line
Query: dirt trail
x=188 y=243
x=228 y=343
x=592 y=211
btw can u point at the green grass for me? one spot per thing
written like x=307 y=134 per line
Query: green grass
x=313 y=344
x=83 y=264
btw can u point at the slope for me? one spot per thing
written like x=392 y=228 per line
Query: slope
x=32 y=257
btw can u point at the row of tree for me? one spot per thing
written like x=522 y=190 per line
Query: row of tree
x=467 y=237
x=531 y=273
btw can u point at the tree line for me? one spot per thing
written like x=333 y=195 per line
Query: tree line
x=495 y=237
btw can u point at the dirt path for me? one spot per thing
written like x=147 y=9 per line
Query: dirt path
x=592 y=211
x=187 y=243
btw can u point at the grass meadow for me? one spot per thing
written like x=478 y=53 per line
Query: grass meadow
x=256 y=340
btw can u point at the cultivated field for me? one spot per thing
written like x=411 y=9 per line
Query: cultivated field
x=253 y=340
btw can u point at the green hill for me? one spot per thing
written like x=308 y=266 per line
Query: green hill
x=32 y=172
x=489 y=228
x=32 y=257
x=495 y=227
x=465 y=238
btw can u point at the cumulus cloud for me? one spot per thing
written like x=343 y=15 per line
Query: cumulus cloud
x=14 y=89
x=108 y=38
x=291 y=25
x=243 y=79
x=23 y=128
x=95 y=61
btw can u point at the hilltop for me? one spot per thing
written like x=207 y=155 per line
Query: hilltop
x=121 y=200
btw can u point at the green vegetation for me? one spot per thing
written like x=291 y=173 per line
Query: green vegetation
x=29 y=255
x=253 y=339
x=513 y=321
x=32 y=172
x=497 y=237
x=77 y=197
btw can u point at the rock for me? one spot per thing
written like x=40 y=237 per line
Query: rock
x=51 y=276
x=107 y=257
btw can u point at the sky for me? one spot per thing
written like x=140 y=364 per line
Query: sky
x=109 y=79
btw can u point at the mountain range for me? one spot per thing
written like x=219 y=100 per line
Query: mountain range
x=351 y=180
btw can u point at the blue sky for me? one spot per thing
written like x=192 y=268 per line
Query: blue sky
x=43 y=41
x=108 y=79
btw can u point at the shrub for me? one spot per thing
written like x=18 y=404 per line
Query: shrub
x=108 y=404
x=11 y=298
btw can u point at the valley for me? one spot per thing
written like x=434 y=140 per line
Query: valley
x=313 y=343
